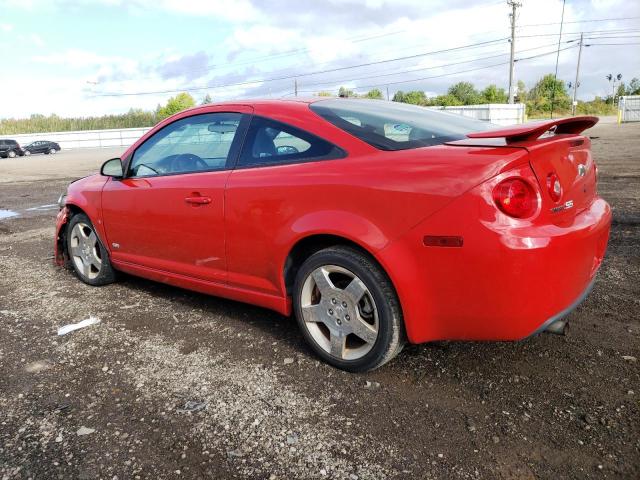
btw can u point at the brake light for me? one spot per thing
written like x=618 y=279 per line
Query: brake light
x=515 y=197
x=554 y=187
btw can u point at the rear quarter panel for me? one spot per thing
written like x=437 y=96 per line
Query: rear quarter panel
x=371 y=197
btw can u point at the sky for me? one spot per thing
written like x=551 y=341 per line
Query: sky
x=95 y=57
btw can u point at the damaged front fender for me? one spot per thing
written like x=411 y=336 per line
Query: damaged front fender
x=59 y=252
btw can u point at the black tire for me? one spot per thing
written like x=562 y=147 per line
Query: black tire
x=391 y=334
x=105 y=274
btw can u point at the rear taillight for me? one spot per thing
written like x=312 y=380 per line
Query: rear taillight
x=553 y=186
x=515 y=197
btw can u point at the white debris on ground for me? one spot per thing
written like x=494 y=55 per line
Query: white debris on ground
x=87 y=322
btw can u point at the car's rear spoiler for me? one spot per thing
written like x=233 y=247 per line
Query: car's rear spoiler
x=533 y=130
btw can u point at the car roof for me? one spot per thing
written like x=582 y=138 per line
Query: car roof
x=284 y=103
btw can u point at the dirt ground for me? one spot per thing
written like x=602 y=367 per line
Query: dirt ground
x=173 y=384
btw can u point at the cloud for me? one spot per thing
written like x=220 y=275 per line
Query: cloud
x=282 y=38
x=6 y=27
x=190 y=67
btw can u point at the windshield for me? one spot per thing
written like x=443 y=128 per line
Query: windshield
x=394 y=125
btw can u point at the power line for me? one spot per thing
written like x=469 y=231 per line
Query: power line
x=597 y=44
x=288 y=77
x=444 y=74
x=594 y=32
x=432 y=67
x=579 y=21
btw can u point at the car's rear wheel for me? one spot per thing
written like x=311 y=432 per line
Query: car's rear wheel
x=12 y=154
x=348 y=310
x=27 y=152
x=88 y=257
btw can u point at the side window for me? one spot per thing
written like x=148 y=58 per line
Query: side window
x=192 y=144
x=269 y=143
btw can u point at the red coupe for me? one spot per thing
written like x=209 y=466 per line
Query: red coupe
x=375 y=222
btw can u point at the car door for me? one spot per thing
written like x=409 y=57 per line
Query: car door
x=276 y=178
x=167 y=214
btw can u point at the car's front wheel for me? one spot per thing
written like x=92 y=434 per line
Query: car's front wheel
x=348 y=310
x=27 y=152
x=53 y=151
x=89 y=258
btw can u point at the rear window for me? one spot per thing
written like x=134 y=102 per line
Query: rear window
x=394 y=125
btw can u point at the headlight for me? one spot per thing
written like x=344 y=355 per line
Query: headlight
x=62 y=200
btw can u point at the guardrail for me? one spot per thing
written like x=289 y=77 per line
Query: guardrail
x=124 y=137
x=500 y=114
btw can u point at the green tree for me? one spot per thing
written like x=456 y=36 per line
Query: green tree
x=398 y=96
x=375 y=93
x=521 y=96
x=540 y=96
x=206 y=100
x=466 y=93
x=324 y=93
x=444 y=101
x=415 y=97
x=634 y=86
x=493 y=94
x=346 y=92
x=176 y=104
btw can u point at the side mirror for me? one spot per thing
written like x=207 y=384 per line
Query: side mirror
x=112 y=168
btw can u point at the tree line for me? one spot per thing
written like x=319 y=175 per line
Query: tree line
x=538 y=100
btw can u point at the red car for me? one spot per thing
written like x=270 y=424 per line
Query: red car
x=375 y=222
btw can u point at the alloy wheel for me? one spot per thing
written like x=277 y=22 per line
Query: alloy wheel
x=339 y=312
x=85 y=250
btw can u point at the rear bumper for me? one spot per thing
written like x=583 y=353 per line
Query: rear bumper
x=509 y=280
x=560 y=315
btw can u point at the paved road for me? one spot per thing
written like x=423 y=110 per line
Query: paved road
x=65 y=164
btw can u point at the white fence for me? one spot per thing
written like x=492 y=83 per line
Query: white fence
x=498 y=113
x=629 y=108
x=85 y=139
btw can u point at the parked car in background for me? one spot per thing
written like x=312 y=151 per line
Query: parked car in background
x=10 y=148
x=42 y=146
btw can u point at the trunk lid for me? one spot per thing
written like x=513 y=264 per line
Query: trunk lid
x=555 y=148
x=569 y=157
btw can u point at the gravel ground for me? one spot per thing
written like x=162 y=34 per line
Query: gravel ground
x=173 y=384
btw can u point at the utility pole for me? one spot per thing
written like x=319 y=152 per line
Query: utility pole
x=512 y=70
x=575 y=85
x=555 y=75
x=295 y=86
x=387 y=92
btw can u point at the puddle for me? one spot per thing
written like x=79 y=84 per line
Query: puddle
x=7 y=214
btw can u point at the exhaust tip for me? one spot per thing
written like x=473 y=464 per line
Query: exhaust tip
x=559 y=327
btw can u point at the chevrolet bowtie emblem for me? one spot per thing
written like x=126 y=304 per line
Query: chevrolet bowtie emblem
x=582 y=169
